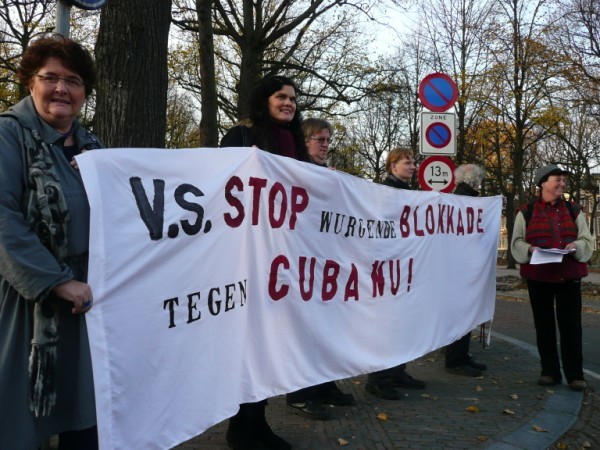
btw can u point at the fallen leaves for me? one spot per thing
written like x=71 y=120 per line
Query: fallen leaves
x=342 y=442
x=479 y=389
x=514 y=396
x=509 y=412
x=539 y=429
x=383 y=416
x=472 y=408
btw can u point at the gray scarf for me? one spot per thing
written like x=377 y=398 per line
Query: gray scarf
x=48 y=215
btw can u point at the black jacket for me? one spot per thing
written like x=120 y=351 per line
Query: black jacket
x=397 y=183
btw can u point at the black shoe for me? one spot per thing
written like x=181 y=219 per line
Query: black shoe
x=465 y=370
x=270 y=441
x=547 y=380
x=475 y=365
x=383 y=390
x=238 y=437
x=311 y=409
x=334 y=396
x=402 y=379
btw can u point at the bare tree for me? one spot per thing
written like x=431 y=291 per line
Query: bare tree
x=21 y=21
x=318 y=43
x=521 y=83
x=578 y=34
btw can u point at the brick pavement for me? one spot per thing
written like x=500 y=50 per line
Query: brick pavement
x=510 y=406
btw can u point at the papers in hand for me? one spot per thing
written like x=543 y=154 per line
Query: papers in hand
x=548 y=255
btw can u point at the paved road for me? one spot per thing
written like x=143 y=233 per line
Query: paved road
x=521 y=328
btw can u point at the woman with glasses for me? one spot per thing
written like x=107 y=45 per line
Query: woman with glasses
x=46 y=382
x=274 y=125
x=317 y=135
x=310 y=401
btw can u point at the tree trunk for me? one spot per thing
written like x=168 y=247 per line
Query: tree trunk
x=209 y=135
x=131 y=54
x=251 y=59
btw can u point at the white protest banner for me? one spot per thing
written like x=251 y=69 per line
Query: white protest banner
x=224 y=276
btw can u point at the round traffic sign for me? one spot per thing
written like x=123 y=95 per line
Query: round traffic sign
x=438 y=135
x=87 y=4
x=436 y=173
x=438 y=92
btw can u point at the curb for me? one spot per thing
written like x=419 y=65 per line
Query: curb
x=559 y=414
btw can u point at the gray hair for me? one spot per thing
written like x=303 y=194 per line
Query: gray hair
x=470 y=174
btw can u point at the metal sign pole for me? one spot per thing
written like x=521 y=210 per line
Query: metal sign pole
x=63 y=14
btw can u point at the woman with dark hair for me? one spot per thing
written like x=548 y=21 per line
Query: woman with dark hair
x=46 y=382
x=275 y=125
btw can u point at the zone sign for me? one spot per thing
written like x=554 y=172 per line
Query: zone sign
x=437 y=133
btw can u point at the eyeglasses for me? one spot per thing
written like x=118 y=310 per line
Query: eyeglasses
x=52 y=80
x=322 y=140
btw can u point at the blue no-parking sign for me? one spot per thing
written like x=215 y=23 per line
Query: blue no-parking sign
x=438 y=92
x=437 y=134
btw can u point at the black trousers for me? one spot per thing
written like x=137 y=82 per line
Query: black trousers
x=567 y=297
x=457 y=353
x=386 y=375
x=310 y=393
x=79 y=439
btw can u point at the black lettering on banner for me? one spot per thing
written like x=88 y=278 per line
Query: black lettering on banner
x=191 y=229
x=170 y=302
x=153 y=216
x=235 y=294
x=191 y=306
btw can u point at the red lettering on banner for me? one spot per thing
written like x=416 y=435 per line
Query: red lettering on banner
x=276 y=189
x=299 y=204
x=460 y=228
x=257 y=184
x=330 y=275
x=351 y=290
x=450 y=219
x=278 y=207
x=234 y=222
x=274 y=292
x=416 y=223
x=378 y=278
x=331 y=282
x=307 y=293
x=385 y=278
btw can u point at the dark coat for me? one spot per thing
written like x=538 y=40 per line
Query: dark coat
x=465 y=189
x=397 y=183
x=28 y=272
x=243 y=136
